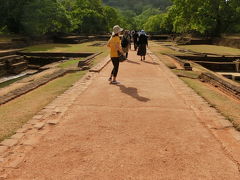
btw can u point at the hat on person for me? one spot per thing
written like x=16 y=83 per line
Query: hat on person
x=117 y=29
x=143 y=32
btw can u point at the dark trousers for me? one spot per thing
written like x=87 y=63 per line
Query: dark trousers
x=115 y=61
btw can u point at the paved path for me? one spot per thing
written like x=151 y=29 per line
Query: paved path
x=151 y=126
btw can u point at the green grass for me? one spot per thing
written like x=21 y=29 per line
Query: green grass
x=159 y=48
x=18 y=111
x=7 y=83
x=221 y=50
x=8 y=37
x=229 y=107
x=70 y=63
x=189 y=74
x=84 y=47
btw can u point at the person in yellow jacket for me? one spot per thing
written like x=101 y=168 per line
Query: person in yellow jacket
x=114 y=44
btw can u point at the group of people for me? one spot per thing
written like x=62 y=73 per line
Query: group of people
x=139 y=39
x=121 y=45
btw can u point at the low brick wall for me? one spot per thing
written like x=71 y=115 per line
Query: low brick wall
x=221 y=84
x=209 y=58
x=230 y=42
x=54 y=54
x=185 y=65
x=29 y=87
x=218 y=66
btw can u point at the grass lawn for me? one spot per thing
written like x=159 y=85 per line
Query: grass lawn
x=70 y=63
x=84 y=47
x=221 y=50
x=229 y=107
x=8 y=38
x=18 y=111
x=160 y=48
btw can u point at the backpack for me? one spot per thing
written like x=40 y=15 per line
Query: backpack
x=124 y=42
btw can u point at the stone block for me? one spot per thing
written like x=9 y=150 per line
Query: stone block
x=39 y=125
x=17 y=136
x=14 y=163
x=9 y=142
x=3 y=176
x=53 y=122
x=3 y=149
x=37 y=117
x=22 y=130
x=33 y=122
x=31 y=141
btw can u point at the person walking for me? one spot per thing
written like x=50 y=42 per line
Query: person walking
x=135 y=40
x=142 y=44
x=114 y=44
x=126 y=42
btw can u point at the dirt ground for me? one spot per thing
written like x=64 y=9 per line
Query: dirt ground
x=147 y=127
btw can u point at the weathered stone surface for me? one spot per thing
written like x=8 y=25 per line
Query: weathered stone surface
x=37 y=117
x=27 y=127
x=31 y=141
x=33 y=122
x=3 y=149
x=22 y=130
x=14 y=163
x=221 y=83
x=9 y=142
x=235 y=134
x=53 y=122
x=17 y=136
x=39 y=125
x=3 y=176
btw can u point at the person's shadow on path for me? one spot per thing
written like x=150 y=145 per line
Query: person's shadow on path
x=153 y=63
x=133 y=62
x=133 y=92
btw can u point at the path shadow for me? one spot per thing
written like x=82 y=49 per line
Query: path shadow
x=133 y=62
x=133 y=92
x=153 y=63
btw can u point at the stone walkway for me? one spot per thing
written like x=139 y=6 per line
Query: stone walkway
x=151 y=126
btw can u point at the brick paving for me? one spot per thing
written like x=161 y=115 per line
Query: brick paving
x=151 y=126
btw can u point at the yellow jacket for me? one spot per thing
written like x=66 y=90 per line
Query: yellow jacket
x=114 y=44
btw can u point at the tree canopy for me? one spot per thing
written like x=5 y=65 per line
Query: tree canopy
x=40 y=17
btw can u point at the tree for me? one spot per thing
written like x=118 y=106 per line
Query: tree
x=112 y=16
x=44 y=16
x=143 y=17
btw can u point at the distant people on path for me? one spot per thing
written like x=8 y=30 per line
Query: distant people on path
x=126 y=42
x=135 y=40
x=114 y=44
x=142 y=44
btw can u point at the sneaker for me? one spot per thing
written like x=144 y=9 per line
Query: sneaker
x=115 y=82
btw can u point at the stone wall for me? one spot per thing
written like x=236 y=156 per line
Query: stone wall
x=221 y=83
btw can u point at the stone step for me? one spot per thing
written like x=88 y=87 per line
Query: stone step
x=15 y=60
x=18 y=67
x=3 y=70
x=11 y=45
x=9 y=52
x=8 y=58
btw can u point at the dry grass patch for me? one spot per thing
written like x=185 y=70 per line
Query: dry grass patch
x=17 y=112
x=160 y=48
x=83 y=47
x=221 y=50
x=226 y=105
